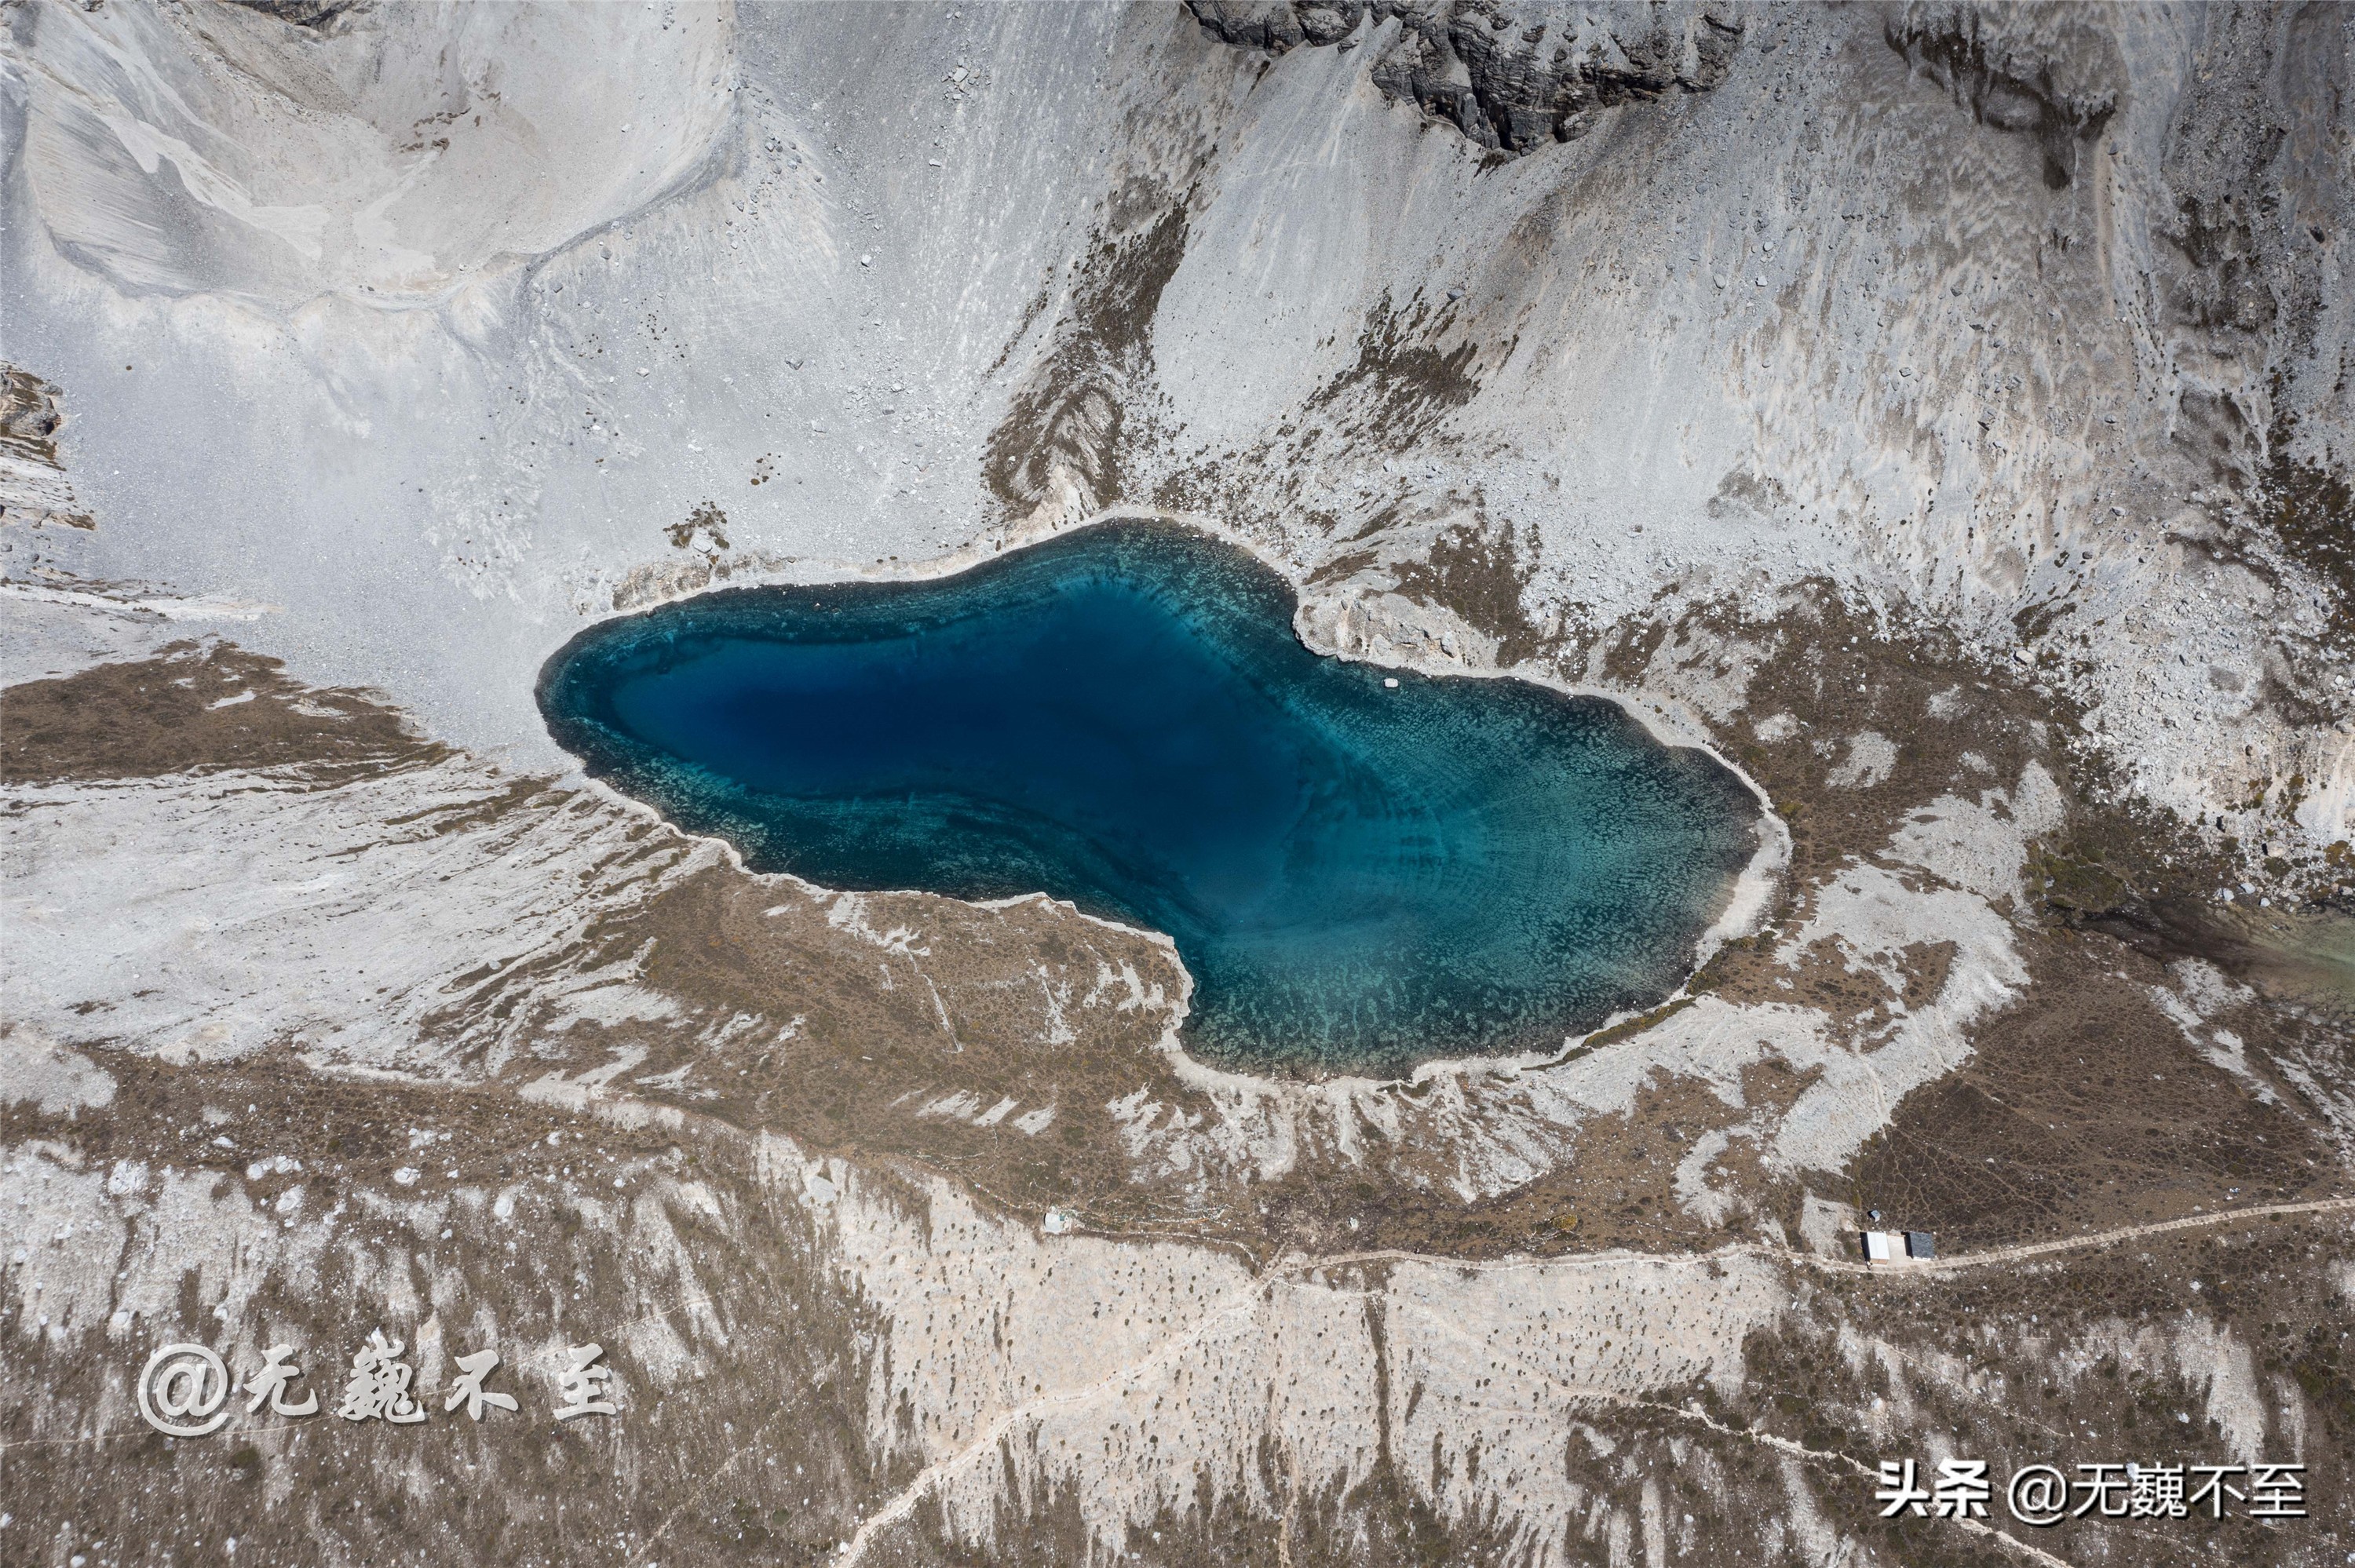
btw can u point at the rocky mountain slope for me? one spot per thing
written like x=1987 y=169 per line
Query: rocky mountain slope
x=1937 y=410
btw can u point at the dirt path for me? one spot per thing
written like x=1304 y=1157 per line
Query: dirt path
x=1898 y=1268
x=1907 y=1266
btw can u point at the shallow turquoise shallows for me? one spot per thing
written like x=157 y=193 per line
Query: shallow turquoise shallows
x=1358 y=877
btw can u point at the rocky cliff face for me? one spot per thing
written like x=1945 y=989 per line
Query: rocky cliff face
x=2028 y=251
x=316 y=15
x=1511 y=76
x=2048 y=72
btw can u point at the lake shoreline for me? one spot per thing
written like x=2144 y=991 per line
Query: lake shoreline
x=1740 y=911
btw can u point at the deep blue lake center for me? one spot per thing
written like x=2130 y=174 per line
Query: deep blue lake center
x=1358 y=877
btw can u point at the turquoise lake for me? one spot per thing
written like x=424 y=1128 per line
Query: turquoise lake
x=1359 y=878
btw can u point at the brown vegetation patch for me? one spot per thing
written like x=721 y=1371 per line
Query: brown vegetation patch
x=2111 y=897
x=1404 y=381
x=1837 y=678
x=2082 y=1110
x=1071 y=414
x=196 y=708
x=1615 y=1187
x=2310 y=511
x=800 y=1025
x=2022 y=1365
x=706 y=520
x=1480 y=573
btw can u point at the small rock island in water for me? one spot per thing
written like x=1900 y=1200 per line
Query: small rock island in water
x=1359 y=876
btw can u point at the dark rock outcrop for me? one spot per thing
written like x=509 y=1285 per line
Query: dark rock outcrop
x=318 y=16
x=2044 y=71
x=29 y=417
x=1508 y=74
x=33 y=484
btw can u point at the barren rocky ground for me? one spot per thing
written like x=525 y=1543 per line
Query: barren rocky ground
x=1938 y=411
